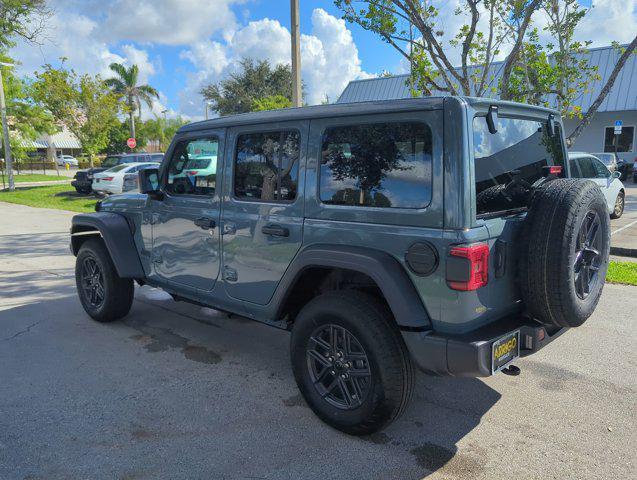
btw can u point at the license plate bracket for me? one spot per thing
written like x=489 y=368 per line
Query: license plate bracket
x=504 y=350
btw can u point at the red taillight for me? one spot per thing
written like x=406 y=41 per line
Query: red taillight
x=106 y=179
x=468 y=267
x=555 y=169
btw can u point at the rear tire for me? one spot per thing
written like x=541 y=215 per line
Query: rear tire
x=104 y=295
x=367 y=387
x=565 y=257
x=618 y=211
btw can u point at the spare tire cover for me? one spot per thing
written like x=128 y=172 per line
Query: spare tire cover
x=564 y=259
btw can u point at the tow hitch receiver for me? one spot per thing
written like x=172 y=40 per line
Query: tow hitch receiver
x=511 y=370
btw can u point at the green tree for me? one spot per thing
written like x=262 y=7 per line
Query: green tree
x=124 y=85
x=255 y=80
x=24 y=19
x=118 y=135
x=162 y=129
x=27 y=119
x=273 y=102
x=82 y=103
x=531 y=72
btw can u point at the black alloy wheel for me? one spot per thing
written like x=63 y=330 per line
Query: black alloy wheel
x=338 y=367
x=103 y=294
x=92 y=282
x=587 y=255
x=350 y=361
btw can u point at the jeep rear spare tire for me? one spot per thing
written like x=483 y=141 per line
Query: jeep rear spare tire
x=565 y=255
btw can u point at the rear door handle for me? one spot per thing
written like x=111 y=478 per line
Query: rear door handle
x=276 y=230
x=205 y=223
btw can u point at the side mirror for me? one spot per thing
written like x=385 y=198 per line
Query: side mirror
x=617 y=174
x=149 y=182
x=492 y=119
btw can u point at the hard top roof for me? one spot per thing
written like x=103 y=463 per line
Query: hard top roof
x=346 y=109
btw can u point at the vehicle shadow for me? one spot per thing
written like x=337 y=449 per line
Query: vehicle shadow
x=213 y=390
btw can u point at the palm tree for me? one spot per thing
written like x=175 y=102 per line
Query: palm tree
x=125 y=85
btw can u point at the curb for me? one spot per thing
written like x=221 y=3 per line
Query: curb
x=624 y=252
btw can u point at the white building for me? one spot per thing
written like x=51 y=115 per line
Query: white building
x=63 y=142
x=620 y=104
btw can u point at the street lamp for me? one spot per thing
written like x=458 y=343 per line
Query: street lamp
x=5 y=131
x=295 y=31
x=206 y=104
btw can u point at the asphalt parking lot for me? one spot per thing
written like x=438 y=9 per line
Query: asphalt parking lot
x=178 y=391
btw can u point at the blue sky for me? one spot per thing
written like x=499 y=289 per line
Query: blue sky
x=181 y=45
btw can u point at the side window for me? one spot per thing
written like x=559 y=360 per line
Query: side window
x=586 y=167
x=575 y=173
x=377 y=165
x=266 y=166
x=600 y=169
x=193 y=167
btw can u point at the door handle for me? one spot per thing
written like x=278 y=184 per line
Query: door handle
x=205 y=223
x=276 y=230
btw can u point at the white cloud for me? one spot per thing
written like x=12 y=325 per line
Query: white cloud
x=135 y=56
x=608 y=21
x=329 y=57
x=170 y=22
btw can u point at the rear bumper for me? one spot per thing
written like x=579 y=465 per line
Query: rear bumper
x=469 y=355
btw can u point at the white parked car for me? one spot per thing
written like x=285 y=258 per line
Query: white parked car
x=112 y=180
x=585 y=165
x=67 y=160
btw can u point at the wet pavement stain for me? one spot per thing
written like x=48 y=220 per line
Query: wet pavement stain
x=200 y=354
x=157 y=339
x=432 y=456
x=436 y=457
x=295 y=401
x=142 y=434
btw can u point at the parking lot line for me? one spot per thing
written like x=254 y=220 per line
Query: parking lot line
x=624 y=227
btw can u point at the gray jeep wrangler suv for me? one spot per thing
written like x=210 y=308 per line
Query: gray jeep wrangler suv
x=438 y=233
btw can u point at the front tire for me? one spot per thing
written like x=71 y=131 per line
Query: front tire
x=618 y=211
x=104 y=295
x=350 y=362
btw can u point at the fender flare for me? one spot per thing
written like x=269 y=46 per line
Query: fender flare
x=390 y=276
x=118 y=238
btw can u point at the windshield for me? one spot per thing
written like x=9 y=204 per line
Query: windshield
x=514 y=155
x=109 y=162
x=607 y=158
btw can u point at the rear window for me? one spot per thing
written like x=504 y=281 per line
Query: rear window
x=117 y=168
x=110 y=161
x=517 y=151
x=377 y=165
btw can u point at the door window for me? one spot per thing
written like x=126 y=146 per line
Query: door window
x=266 y=166
x=193 y=167
x=377 y=165
x=586 y=167
x=574 y=166
x=601 y=171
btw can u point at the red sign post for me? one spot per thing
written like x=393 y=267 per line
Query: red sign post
x=131 y=142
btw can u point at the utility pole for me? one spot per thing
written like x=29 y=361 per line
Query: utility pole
x=297 y=96
x=5 y=132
